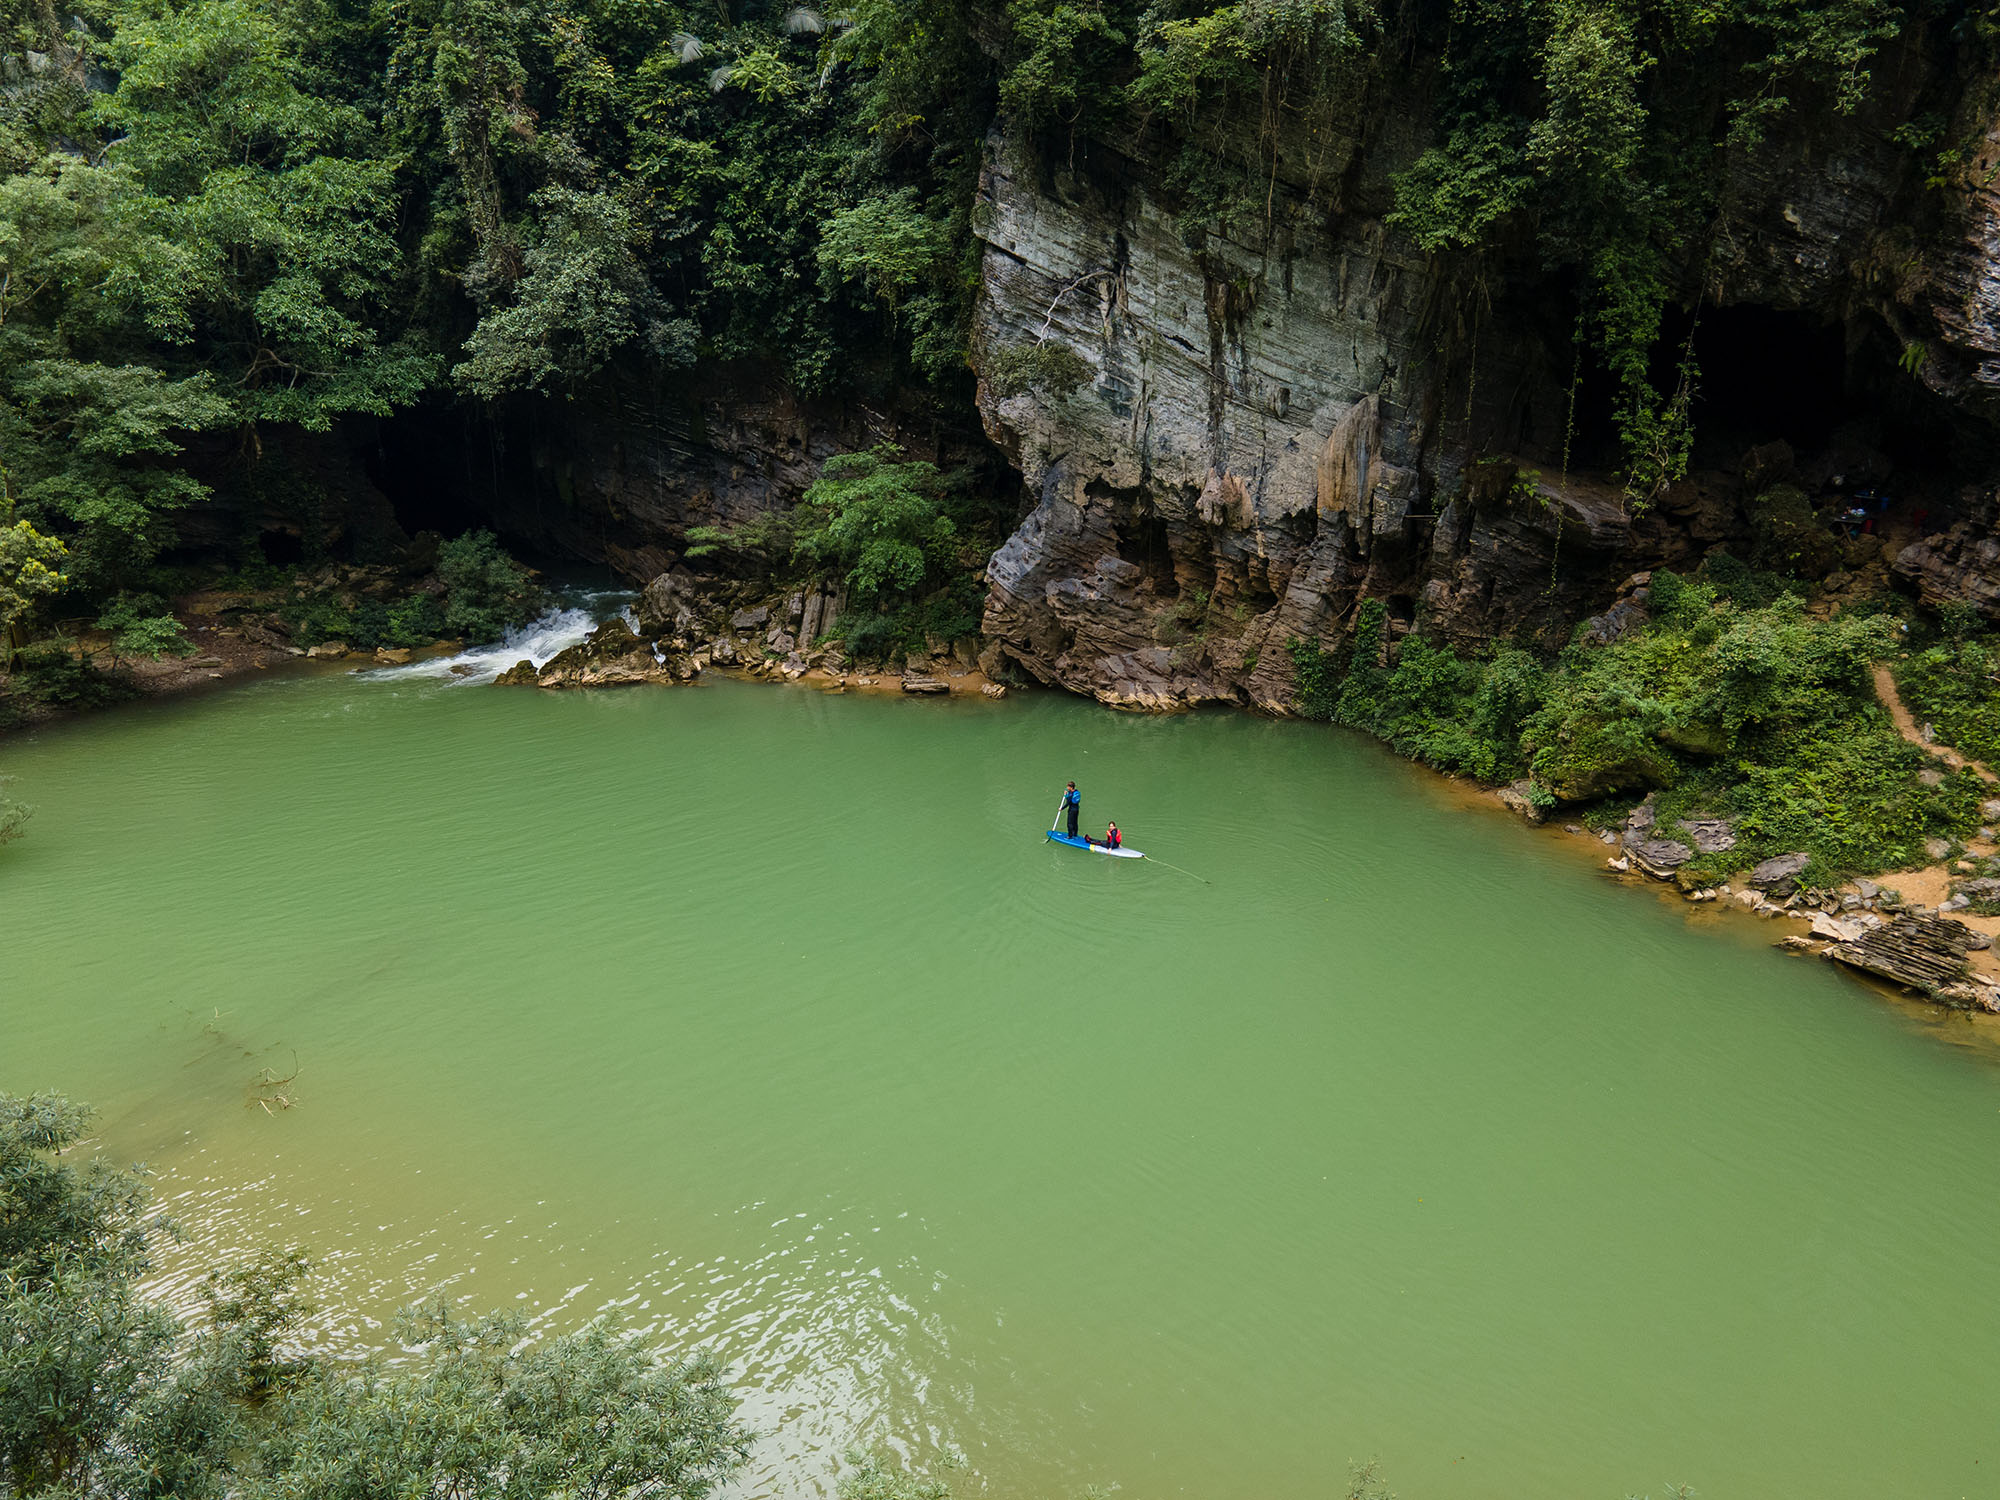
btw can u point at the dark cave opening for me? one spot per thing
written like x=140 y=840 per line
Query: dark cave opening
x=1834 y=392
x=1142 y=541
x=1764 y=376
x=442 y=469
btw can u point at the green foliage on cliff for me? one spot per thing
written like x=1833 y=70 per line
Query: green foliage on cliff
x=1760 y=713
x=1955 y=688
x=1601 y=131
x=105 y=1394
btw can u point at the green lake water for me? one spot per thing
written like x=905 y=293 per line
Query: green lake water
x=767 y=1020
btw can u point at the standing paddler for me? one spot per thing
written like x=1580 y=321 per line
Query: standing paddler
x=1072 y=804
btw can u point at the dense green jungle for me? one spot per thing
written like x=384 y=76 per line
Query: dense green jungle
x=323 y=323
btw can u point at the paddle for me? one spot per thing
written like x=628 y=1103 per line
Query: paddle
x=1059 y=812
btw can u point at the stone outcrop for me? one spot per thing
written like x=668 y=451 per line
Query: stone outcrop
x=613 y=655
x=1959 y=566
x=1779 y=875
x=1923 y=953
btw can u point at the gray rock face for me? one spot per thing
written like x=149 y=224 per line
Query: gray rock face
x=1780 y=874
x=1248 y=459
x=1960 y=566
x=1268 y=433
x=1710 y=835
x=1661 y=857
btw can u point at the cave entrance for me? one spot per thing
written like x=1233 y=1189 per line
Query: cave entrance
x=440 y=468
x=282 y=546
x=1765 y=376
x=1143 y=542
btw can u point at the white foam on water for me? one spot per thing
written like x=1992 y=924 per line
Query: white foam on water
x=537 y=641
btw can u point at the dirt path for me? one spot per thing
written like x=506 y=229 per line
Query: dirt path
x=1885 y=689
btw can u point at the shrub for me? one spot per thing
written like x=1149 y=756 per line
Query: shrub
x=486 y=591
x=50 y=673
x=1953 y=688
x=1762 y=714
x=140 y=627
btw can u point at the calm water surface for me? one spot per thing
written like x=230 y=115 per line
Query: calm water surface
x=766 y=1020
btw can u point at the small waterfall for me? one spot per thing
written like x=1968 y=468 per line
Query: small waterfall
x=573 y=618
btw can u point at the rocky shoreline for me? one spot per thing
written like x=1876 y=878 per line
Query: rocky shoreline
x=683 y=626
x=1929 y=932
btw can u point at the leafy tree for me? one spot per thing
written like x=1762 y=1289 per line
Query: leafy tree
x=486 y=591
x=140 y=627
x=879 y=519
x=583 y=297
x=278 y=201
x=104 y=1394
x=30 y=566
x=872 y=1475
x=587 y=1415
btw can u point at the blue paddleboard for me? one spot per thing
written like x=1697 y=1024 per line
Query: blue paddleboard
x=1080 y=843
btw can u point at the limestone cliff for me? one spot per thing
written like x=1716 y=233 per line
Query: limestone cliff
x=1280 y=423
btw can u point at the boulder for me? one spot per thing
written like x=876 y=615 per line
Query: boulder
x=667 y=603
x=1617 y=622
x=1779 y=875
x=994 y=690
x=394 y=656
x=1937 y=848
x=521 y=674
x=1920 y=952
x=611 y=656
x=913 y=683
x=1710 y=835
x=750 y=619
x=1518 y=796
x=1659 y=858
x=328 y=650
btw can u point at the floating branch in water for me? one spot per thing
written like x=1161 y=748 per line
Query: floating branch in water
x=272 y=1088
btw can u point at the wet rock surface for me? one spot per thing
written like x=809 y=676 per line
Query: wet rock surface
x=1923 y=953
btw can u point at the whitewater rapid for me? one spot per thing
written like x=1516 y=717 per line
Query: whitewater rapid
x=569 y=621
